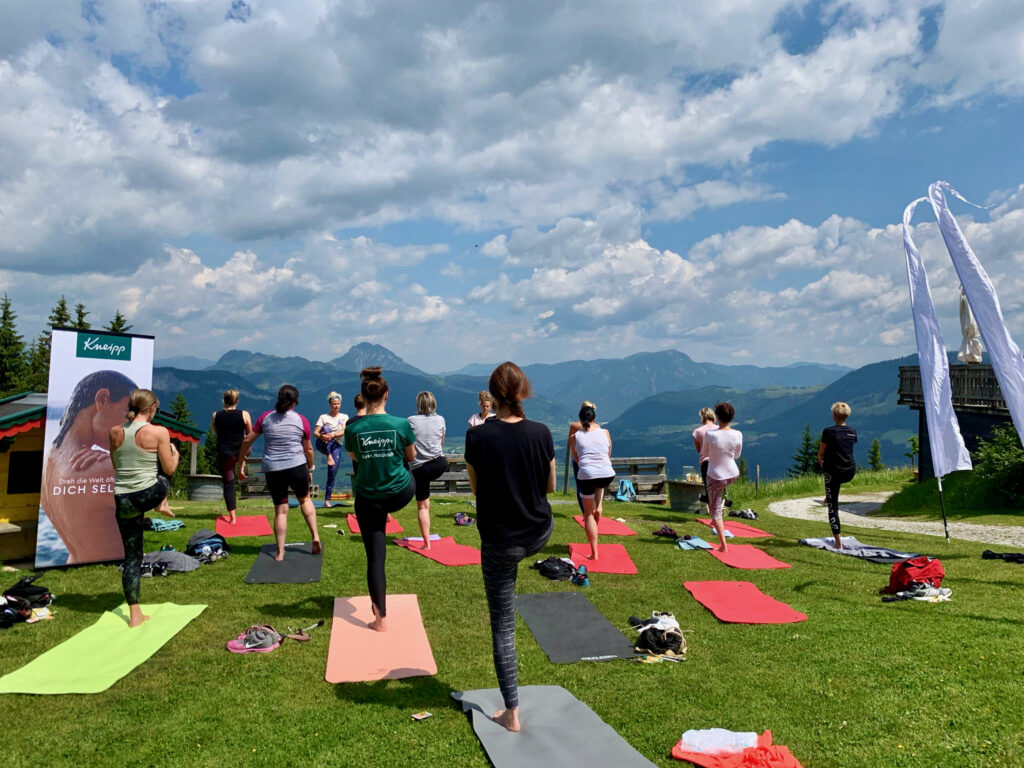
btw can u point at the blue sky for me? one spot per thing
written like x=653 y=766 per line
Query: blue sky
x=537 y=181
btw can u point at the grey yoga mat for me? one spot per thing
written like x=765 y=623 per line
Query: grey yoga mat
x=854 y=548
x=569 y=628
x=558 y=730
x=299 y=566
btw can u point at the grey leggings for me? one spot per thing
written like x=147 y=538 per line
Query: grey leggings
x=500 y=566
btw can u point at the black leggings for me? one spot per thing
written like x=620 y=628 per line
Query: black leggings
x=425 y=474
x=226 y=465
x=832 y=482
x=500 y=566
x=372 y=515
x=130 y=509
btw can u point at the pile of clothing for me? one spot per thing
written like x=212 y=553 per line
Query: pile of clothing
x=160 y=526
x=25 y=601
x=922 y=591
x=721 y=748
x=746 y=514
x=1010 y=557
x=919 y=578
x=660 y=637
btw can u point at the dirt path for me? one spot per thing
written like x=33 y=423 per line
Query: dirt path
x=855 y=508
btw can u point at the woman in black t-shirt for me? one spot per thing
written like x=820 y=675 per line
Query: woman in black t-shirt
x=835 y=455
x=230 y=425
x=511 y=466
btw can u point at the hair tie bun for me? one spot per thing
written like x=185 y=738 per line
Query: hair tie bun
x=370 y=374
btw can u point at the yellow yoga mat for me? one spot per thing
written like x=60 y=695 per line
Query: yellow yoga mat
x=100 y=655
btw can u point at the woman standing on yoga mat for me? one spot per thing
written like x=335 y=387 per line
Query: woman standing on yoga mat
x=835 y=456
x=511 y=466
x=381 y=444
x=135 y=449
x=430 y=463
x=330 y=428
x=721 y=447
x=591 y=451
x=574 y=427
x=287 y=463
x=230 y=425
x=707 y=422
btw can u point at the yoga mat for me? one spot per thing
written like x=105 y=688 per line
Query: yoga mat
x=100 y=655
x=445 y=551
x=569 y=628
x=391 y=527
x=245 y=525
x=558 y=730
x=739 y=530
x=608 y=526
x=748 y=557
x=694 y=542
x=613 y=558
x=854 y=548
x=358 y=653
x=740 y=602
x=299 y=566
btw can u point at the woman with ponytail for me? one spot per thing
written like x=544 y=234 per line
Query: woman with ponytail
x=591 y=448
x=382 y=444
x=511 y=466
x=287 y=463
x=138 y=450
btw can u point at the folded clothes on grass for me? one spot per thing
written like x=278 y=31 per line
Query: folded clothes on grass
x=1010 y=557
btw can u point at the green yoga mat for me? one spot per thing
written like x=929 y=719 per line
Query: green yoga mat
x=100 y=655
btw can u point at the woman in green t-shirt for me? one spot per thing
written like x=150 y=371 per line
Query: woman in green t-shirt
x=381 y=444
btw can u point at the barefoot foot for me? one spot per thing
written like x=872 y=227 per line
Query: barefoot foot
x=379 y=622
x=317 y=547
x=509 y=718
x=136 y=616
x=279 y=556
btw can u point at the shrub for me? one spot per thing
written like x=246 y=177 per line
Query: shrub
x=999 y=467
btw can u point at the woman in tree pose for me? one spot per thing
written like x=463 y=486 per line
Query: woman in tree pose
x=231 y=426
x=835 y=456
x=721 y=447
x=330 y=428
x=592 y=449
x=574 y=427
x=511 y=466
x=484 y=398
x=430 y=463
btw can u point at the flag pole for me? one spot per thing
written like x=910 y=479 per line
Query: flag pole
x=942 y=503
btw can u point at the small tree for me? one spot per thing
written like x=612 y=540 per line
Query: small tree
x=12 y=351
x=180 y=411
x=913 y=451
x=999 y=467
x=742 y=464
x=875 y=455
x=208 y=463
x=119 y=324
x=805 y=460
x=60 y=315
x=80 y=314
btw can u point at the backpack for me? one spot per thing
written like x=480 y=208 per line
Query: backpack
x=923 y=569
x=554 y=568
x=20 y=600
x=626 y=491
x=207 y=546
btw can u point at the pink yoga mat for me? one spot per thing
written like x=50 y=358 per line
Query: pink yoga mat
x=739 y=530
x=747 y=557
x=740 y=602
x=245 y=525
x=358 y=653
x=613 y=558
x=608 y=526
x=391 y=527
x=445 y=551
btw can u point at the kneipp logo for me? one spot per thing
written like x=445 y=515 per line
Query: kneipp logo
x=104 y=347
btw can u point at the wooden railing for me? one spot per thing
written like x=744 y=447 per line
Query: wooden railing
x=974 y=388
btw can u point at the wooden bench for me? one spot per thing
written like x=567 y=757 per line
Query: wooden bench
x=647 y=473
x=254 y=483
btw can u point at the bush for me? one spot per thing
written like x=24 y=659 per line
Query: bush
x=999 y=467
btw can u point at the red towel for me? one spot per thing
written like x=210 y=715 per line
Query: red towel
x=445 y=551
x=739 y=530
x=391 y=527
x=748 y=557
x=608 y=526
x=764 y=755
x=740 y=602
x=245 y=525
x=613 y=558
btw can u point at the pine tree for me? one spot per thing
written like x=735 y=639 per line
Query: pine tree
x=12 y=351
x=805 y=460
x=119 y=324
x=36 y=372
x=742 y=465
x=60 y=315
x=180 y=411
x=875 y=455
x=80 y=314
x=208 y=463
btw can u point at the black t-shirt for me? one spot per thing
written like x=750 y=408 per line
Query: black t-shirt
x=839 y=448
x=230 y=429
x=512 y=462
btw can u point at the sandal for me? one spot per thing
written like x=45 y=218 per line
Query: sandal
x=666 y=531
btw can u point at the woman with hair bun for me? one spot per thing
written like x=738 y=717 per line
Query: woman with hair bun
x=574 y=427
x=721 y=447
x=511 y=466
x=287 y=463
x=230 y=425
x=330 y=428
x=138 y=449
x=381 y=444
x=591 y=451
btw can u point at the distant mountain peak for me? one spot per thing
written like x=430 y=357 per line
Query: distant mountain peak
x=366 y=353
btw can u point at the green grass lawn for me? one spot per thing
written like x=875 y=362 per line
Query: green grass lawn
x=861 y=683
x=920 y=501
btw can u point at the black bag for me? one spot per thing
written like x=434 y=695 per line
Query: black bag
x=207 y=546
x=554 y=568
x=25 y=595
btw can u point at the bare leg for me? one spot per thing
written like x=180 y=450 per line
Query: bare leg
x=164 y=508
x=423 y=513
x=508 y=718
x=590 y=524
x=379 y=623
x=280 y=528
x=720 y=530
x=309 y=513
x=598 y=499
x=135 y=615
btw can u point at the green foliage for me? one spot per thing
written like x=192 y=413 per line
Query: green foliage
x=999 y=467
x=742 y=465
x=36 y=373
x=80 y=317
x=914 y=450
x=207 y=459
x=179 y=410
x=12 y=351
x=119 y=324
x=805 y=460
x=60 y=315
x=875 y=455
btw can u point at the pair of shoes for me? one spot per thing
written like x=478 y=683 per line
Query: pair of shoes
x=666 y=531
x=256 y=639
x=580 y=577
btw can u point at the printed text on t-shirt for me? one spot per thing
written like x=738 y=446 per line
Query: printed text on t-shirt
x=378 y=445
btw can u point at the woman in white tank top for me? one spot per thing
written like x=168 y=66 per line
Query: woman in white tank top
x=592 y=449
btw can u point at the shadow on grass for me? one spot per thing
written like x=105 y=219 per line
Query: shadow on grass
x=97 y=603
x=313 y=605
x=411 y=693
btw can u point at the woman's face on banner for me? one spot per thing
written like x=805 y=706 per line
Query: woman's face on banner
x=106 y=414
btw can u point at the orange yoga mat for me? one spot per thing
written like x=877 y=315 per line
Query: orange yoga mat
x=608 y=526
x=359 y=654
x=393 y=526
x=612 y=558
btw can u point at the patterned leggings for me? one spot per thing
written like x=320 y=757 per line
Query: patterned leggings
x=716 y=495
x=130 y=515
x=832 y=482
x=500 y=567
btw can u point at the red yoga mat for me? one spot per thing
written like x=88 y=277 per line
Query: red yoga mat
x=245 y=525
x=613 y=558
x=747 y=557
x=608 y=526
x=739 y=530
x=392 y=526
x=445 y=551
x=358 y=653
x=740 y=602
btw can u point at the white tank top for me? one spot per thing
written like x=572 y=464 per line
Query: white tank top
x=592 y=453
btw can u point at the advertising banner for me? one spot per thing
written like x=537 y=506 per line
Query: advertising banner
x=92 y=373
